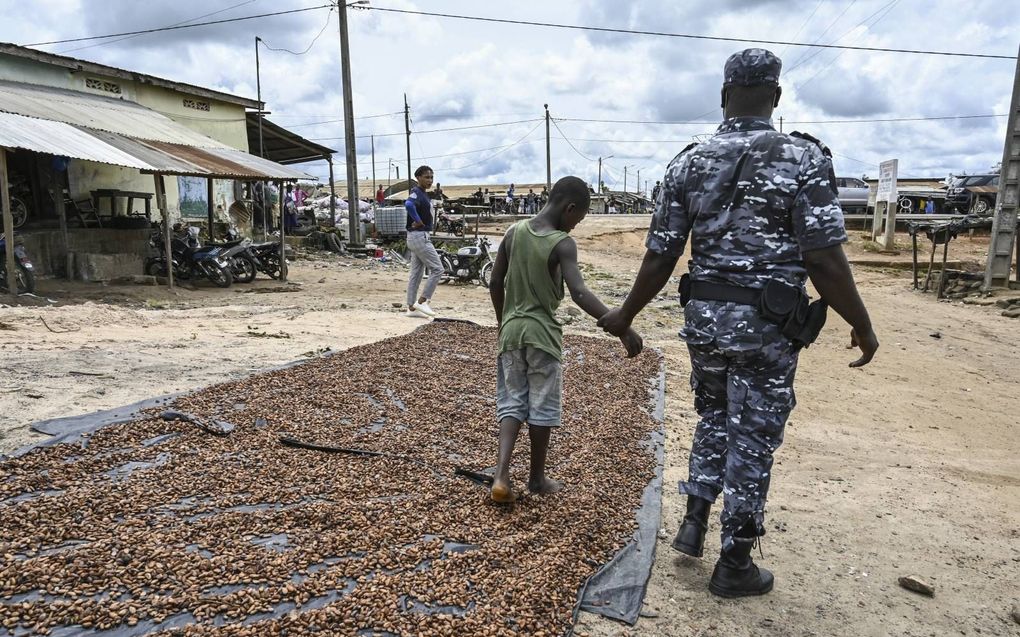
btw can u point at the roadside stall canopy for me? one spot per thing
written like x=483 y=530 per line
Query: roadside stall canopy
x=122 y=133
x=281 y=145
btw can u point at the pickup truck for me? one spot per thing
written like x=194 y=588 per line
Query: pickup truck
x=973 y=194
x=853 y=194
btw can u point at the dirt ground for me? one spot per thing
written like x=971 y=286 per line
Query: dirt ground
x=909 y=466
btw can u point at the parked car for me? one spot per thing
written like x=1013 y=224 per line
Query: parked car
x=853 y=194
x=972 y=194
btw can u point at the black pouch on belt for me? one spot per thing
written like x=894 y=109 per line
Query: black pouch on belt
x=684 y=289
x=791 y=309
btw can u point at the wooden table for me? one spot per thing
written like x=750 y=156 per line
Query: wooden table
x=131 y=195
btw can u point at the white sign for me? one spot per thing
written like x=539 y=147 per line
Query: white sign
x=887 y=181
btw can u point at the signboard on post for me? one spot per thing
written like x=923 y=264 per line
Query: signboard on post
x=885 y=200
x=887 y=181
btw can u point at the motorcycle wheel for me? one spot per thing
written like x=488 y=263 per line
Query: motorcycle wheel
x=221 y=277
x=244 y=269
x=447 y=269
x=486 y=275
x=26 y=280
x=19 y=211
x=155 y=267
x=458 y=230
x=271 y=266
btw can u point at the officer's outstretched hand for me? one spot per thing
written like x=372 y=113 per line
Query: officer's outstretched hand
x=614 y=322
x=632 y=342
x=868 y=343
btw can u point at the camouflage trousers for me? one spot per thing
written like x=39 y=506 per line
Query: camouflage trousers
x=742 y=371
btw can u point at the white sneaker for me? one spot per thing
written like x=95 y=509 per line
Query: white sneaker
x=424 y=307
x=415 y=314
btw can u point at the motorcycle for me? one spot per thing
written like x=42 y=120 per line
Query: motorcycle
x=25 y=270
x=267 y=258
x=243 y=264
x=449 y=225
x=470 y=263
x=190 y=259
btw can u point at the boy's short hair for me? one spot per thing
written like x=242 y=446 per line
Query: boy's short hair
x=570 y=190
x=421 y=170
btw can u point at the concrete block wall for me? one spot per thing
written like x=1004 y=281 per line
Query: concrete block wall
x=99 y=254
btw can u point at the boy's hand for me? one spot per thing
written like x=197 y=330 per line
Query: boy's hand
x=632 y=342
x=615 y=323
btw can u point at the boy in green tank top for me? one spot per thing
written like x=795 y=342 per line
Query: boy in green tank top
x=537 y=256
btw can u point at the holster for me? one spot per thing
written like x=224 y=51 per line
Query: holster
x=684 y=289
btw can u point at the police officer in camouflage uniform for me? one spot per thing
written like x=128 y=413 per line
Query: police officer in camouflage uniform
x=760 y=209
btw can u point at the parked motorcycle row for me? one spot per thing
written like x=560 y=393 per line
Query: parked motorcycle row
x=235 y=260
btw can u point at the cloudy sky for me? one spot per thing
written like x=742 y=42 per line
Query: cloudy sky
x=495 y=78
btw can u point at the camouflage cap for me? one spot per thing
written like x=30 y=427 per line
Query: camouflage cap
x=752 y=67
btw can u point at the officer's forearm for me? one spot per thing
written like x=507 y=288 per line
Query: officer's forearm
x=652 y=277
x=830 y=274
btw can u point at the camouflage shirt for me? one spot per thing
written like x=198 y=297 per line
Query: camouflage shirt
x=752 y=200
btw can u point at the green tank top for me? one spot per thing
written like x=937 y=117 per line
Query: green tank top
x=532 y=296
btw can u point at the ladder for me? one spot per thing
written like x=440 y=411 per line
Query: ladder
x=1004 y=227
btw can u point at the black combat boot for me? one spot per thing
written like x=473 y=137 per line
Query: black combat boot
x=690 y=539
x=736 y=575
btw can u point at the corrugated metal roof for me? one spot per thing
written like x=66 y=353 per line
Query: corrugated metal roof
x=122 y=133
x=58 y=138
x=227 y=162
x=97 y=112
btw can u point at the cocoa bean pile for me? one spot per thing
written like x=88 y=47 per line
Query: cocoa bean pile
x=157 y=526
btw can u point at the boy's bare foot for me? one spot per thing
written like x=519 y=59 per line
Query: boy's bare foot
x=502 y=492
x=545 y=486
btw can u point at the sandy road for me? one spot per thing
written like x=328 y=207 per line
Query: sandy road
x=908 y=466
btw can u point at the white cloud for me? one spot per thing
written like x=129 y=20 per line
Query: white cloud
x=459 y=73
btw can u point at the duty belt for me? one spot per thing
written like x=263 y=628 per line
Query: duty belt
x=706 y=291
x=786 y=305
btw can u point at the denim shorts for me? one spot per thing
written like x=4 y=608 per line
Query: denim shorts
x=529 y=384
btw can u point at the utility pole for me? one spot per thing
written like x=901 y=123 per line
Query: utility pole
x=624 y=179
x=407 y=130
x=780 y=123
x=262 y=150
x=548 y=153
x=600 y=172
x=349 y=139
x=637 y=184
x=374 y=187
x=1004 y=230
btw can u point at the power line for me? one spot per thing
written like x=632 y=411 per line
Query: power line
x=310 y=44
x=886 y=8
x=804 y=24
x=89 y=46
x=570 y=142
x=828 y=121
x=689 y=36
x=180 y=26
x=826 y=30
x=333 y=121
x=496 y=154
x=437 y=130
